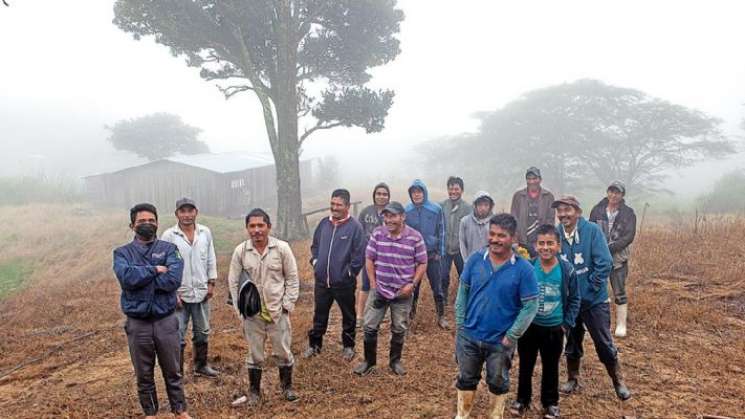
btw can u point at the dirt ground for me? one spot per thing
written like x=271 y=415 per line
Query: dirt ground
x=64 y=355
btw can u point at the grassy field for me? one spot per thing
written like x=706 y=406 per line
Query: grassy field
x=64 y=353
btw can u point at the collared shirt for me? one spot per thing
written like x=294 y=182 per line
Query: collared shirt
x=200 y=263
x=395 y=258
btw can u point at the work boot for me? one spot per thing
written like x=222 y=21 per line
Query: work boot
x=394 y=359
x=181 y=361
x=551 y=412
x=465 y=404
x=368 y=365
x=622 y=311
x=572 y=383
x=200 y=361
x=518 y=408
x=496 y=405
x=254 y=386
x=285 y=380
x=614 y=371
x=347 y=353
x=311 y=351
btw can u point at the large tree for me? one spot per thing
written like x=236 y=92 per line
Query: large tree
x=307 y=62
x=156 y=136
x=588 y=133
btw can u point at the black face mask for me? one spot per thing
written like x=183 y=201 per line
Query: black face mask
x=146 y=231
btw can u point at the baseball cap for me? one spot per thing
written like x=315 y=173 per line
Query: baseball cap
x=185 y=201
x=566 y=200
x=617 y=184
x=533 y=171
x=394 y=208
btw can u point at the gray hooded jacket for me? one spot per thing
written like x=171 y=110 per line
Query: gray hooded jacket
x=473 y=231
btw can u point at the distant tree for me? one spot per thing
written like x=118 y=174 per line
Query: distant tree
x=156 y=136
x=306 y=61
x=726 y=195
x=588 y=133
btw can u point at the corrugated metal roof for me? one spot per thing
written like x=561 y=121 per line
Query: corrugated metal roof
x=235 y=161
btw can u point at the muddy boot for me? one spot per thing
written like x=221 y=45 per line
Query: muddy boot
x=285 y=380
x=254 y=386
x=200 y=361
x=614 y=371
x=572 y=384
x=371 y=356
x=496 y=405
x=441 y=320
x=622 y=311
x=465 y=404
x=397 y=347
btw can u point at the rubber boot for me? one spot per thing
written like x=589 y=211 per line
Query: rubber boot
x=397 y=347
x=285 y=380
x=572 y=383
x=441 y=321
x=200 y=361
x=614 y=371
x=254 y=386
x=371 y=356
x=496 y=405
x=465 y=404
x=622 y=311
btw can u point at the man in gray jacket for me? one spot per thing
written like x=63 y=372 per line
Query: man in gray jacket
x=531 y=207
x=454 y=209
x=474 y=227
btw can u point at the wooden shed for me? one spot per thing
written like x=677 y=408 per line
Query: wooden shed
x=224 y=184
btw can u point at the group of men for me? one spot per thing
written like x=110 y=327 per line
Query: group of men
x=524 y=283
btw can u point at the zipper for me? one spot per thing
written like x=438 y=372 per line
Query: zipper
x=328 y=259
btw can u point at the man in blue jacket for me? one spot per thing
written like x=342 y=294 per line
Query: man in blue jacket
x=584 y=246
x=427 y=218
x=149 y=272
x=338 y=255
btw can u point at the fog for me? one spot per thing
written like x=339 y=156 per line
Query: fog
x=67 y=71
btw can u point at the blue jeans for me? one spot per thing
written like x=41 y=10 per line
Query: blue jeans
x=472 y=354
x=200 y=316
x=448 y=260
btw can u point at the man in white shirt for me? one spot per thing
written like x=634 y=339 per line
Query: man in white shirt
x=194 y=242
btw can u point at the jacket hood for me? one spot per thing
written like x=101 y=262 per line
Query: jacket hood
x=480 y=195
x=419 y=184
x=384 y=186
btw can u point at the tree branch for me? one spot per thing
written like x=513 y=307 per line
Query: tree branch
x=232 y=90
x=317 y=127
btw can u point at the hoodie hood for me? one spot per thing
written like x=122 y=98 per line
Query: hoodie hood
x=384 y=186
x=419 y=184
x=480 y=195
x=431 y=206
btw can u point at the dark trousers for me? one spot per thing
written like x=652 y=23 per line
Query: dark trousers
x=434 y=275
x=597 y=320
x=447 y=261
x=618 y=283
x=324 y=298
x=549 y=342
x=147 y=340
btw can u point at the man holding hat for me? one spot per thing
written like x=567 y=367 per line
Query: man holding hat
x=584 y=246
x=396 y=260
x=194 y=242
x=618 y=222
x=531 y=206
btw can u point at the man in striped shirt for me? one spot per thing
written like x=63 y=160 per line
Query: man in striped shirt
x=396 y=260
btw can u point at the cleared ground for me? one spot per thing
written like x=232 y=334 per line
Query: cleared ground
x=64 y=353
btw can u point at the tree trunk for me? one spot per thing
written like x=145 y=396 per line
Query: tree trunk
x=290 y=225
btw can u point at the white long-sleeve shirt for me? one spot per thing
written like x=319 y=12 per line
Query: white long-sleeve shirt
x=200 y=263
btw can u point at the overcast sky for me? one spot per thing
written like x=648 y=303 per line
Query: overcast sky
x=67 y=64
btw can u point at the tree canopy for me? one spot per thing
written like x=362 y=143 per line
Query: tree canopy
x=156 y=136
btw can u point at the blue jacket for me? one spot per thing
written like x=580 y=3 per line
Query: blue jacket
x=570 y=297
x=147 y=294
x=428 y=220
x=338 y=253
x=591 y=259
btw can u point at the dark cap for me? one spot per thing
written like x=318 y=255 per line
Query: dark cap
x=394 y=208
x=617 y=184
x=533 y=171
x=566 y=200
x=185 y=201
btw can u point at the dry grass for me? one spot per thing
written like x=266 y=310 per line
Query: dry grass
x=685 y=355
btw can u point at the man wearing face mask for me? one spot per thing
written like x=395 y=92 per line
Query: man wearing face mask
x=584 y=246
x=149 y=273
x=618 y=222
x=194 y=242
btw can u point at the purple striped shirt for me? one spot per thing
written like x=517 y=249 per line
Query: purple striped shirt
x=395 y=258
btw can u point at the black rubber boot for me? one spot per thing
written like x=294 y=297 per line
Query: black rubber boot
x=614 y=371
x=200 y=361
x=371 y=356
x=572 y=384
x=397 y=347
x=254 y=386
x=285 y=381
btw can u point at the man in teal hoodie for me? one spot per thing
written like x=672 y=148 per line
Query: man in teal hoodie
x=427 y=218
x=584 y=246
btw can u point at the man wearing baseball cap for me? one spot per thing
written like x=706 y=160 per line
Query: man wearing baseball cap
x=196 y=246
x=531 y=206
x=396 y=260
x=618 y=222
x=584 y=246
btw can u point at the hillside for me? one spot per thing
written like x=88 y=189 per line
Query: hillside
x=64 y=351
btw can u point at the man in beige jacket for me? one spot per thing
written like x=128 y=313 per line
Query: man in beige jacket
x=271 y=267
